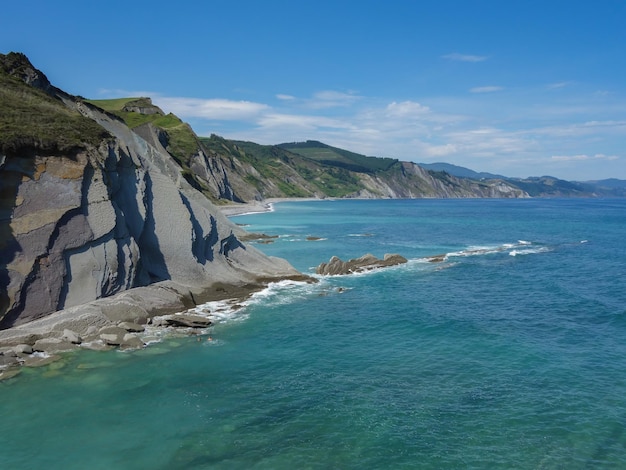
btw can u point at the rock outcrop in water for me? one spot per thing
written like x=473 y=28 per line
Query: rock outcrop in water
x=102 y=215
x=358 y=265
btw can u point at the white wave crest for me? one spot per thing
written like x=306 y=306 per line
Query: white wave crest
x=282 y=293
x=530 y=251
x=513 y=249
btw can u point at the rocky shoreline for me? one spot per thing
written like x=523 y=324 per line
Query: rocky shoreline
x=136 y=317
x=129 y=320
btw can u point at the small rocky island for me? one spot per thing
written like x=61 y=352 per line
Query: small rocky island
x=367 y=262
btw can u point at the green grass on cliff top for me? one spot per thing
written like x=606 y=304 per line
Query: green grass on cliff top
x=32 y=119
x=112 y=105
x=134 y=119
x=182 y=141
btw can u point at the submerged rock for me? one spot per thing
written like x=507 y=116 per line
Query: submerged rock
x=357 y=265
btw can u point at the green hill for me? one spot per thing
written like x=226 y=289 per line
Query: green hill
x=276 y=168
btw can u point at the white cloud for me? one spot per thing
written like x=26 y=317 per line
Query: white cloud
x=441 y=150
x=283 y=97
x=215 y=109
x=406 y=109
x=486 y=89
x=465 y=57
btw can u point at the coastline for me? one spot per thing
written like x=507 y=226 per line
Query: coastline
x=128 y=319
x=132 y=319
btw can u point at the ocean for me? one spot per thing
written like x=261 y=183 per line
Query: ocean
x=509 y=353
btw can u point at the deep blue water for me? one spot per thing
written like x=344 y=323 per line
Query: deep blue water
x=511 y=353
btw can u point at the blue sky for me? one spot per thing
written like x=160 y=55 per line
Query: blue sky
x=520 y=88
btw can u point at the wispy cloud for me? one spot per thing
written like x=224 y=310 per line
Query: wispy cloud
x=465 y=57
x=216 y=109
x=284 y=97
x=291 y=121
x=557 y=85
x=332 y=99
x=583 y=157
x=486 y=89
x=582 y=129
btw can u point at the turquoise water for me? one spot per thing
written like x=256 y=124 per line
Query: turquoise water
x=509 y=354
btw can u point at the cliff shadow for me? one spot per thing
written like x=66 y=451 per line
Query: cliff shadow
x=202 y=246
x=12 y=170
x=153 y=266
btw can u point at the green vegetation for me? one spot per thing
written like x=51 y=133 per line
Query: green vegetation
x=277 y=162
x=137 y=111
x=293 y=174
x=340 y=158
x=32 y=119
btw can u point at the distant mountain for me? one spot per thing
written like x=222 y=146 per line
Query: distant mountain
x=541 y=186
x=612 y=183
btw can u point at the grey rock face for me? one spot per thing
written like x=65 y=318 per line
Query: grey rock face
x=23 y=349
x=53 y=345
x=70 y=336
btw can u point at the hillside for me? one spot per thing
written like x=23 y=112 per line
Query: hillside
x=313 y=169
x=226 y=170
x=339 y=158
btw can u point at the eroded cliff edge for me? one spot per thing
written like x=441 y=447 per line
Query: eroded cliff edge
x=103 y=213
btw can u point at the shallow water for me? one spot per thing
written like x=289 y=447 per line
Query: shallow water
x=511 y=353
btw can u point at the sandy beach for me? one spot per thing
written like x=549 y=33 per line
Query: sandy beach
x=234 y=209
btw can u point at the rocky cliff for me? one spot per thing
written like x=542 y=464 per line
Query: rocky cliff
x=103 y=211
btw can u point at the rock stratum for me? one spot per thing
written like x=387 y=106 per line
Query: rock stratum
x=98 y=223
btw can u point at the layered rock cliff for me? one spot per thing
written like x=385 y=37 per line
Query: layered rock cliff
x=107 y=211
x=264 y=171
